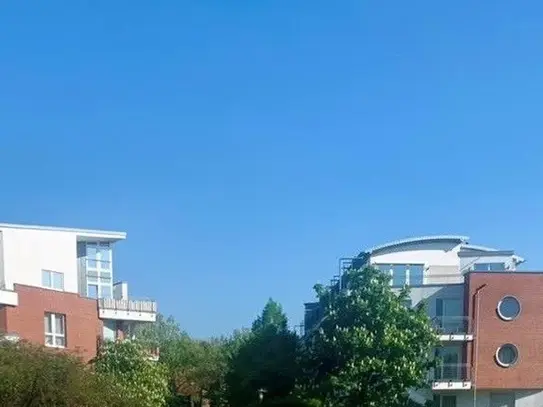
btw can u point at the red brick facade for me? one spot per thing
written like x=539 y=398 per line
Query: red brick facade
x=525 y=332
x=83 y=327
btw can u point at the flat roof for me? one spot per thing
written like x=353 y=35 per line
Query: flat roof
x=81 y=233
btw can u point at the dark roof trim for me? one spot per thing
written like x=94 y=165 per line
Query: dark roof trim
x=480 y=253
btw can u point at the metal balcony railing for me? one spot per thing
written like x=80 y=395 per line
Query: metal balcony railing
x=450 y=372
x=127 y=305
x=451 y=325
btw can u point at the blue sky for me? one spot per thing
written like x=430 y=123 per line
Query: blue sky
x=246 y=146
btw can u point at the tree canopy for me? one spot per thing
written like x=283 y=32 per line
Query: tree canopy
x=267 y=362
x=141 y=381
x=272 y=315
x=369 y=349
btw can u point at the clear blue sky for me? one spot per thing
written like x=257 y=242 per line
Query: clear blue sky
x=246 y=145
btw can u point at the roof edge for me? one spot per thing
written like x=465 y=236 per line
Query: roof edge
x=83 y=232
x=422 y=239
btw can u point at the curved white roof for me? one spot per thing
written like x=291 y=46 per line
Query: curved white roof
x=422 y=239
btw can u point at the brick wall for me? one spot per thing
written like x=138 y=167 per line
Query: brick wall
x=83 y=327
x=526 y=332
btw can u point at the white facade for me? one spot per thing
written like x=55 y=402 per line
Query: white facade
x=69 y=260
x=444 y=259
x=28 y=250
x=434 y=267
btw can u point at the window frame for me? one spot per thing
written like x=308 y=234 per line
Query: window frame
x=51 y=279
x=500 y=313
x=102 y=277
x=489 y=266
x=517 y=355
x=405 y=269
x=53 y=318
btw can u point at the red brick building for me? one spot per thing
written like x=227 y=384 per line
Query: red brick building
x=57 y=289
x=489 y=315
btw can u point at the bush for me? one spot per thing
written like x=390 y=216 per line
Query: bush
x=35 y=376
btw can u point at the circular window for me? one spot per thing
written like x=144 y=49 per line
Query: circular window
x=508 y=308
x=507 y=355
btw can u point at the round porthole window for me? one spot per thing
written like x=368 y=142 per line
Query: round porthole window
x=507 y=355
x=508 y=308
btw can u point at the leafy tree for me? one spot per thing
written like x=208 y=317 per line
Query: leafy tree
x=196 y=368
x=272 y=314
x=267 y=361
x=141 y=380
x=35 y=376
x=369 y=349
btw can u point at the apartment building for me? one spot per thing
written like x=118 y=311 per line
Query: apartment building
x=489 y=316
x=57 y=288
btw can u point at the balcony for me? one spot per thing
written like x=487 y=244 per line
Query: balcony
x=453 y=328
x=450 y=376
x=8 y=297
x=127 y=310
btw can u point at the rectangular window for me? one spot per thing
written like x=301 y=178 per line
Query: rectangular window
x=52 y=279
x=399 y=275
x=92 y=290
x=489 y=267
x=99 y=256
x=99 y=270
x=55 y=330
x=416 y=274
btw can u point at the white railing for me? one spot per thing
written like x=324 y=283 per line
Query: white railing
x=127 y=305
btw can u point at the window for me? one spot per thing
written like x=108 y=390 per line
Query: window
x=489 y=267
x=55 y=330
x=416 y=274
x=399 y=275
x=508 y=308
x=507 y=355
x=444 y=401
x=52 y=279
x=403 y=274
x=449 y=313
x=99 y=270
x=92 y=290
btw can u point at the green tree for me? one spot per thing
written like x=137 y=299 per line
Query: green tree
x=196 y=368
x=369 y=349
x=272 y=314
x=267 y=361
x=142 y=381
x=35 y=376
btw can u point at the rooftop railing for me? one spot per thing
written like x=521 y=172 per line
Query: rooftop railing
x=127 y=305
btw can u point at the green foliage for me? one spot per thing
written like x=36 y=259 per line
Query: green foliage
x=195 y=367
x=142 y=381
x=370 y=349
x=267 y=359
x=272 y=314
x=34 y=376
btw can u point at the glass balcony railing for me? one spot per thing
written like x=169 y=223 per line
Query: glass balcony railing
x=450 y=372
x=128 y=305
x=451 y=325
